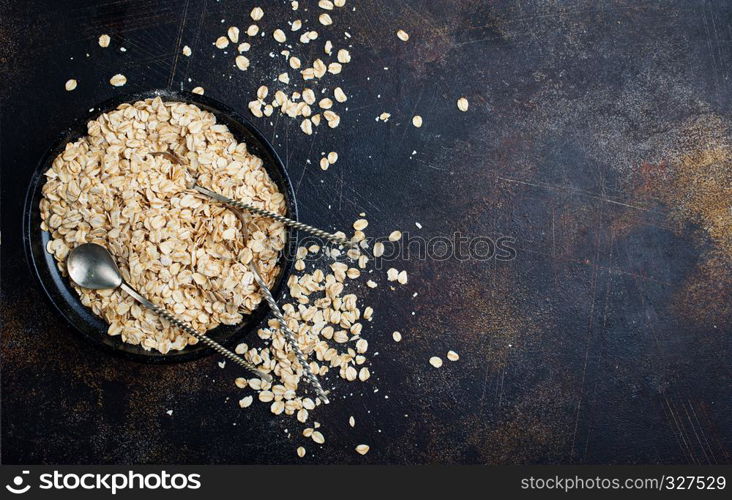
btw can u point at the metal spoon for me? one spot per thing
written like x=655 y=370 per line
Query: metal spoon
x=92 y=266
x=251 y=208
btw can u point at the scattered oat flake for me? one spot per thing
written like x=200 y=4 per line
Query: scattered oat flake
x=436 y=361
x=187 y=51
x=104 y=40
x=395 y=236
x=233 y=34
x=339 y=95
x=198 y=90
x=378 y=249
x=318 y=437
x=118 y=80
x=362 y=449
x=325 y=103
x=360 y=224
x=221 y=42
x=279 y=35
x=325 y=4
x=257 y=13
x=384 y=117
x=344 y=56
x=453 y=356
x=462 y=104
x=364 y=374
x=325 y=19
x=417 y=121
x=301 y=451
x=402 y=278
x=352 y=421
x=307 y=126
x=371 y=284
x=246 y=401
x=252 y=30
x=403 y=35
x=332 y=157
x=396 y=336
x=70 y=85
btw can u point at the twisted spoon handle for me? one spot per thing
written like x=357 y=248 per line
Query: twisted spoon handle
x=251 y=208
x=288 y=222
x=190 y=331
x=289 y=335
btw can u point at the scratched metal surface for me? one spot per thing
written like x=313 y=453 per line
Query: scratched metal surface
x=598 y=137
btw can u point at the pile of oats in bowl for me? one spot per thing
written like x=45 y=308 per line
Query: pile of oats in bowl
x=176 y=247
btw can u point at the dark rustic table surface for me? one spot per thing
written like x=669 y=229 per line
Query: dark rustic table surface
x=598 y=139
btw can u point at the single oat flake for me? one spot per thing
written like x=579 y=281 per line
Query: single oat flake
x=257 y=13
x=221 y=42
x=104 y=41
x=378 y=249
x=70 y=85
x=436 y=361
x=279 y=36
x=339 y=95
x=325 y=19
x=362 y=449
x=462 y=104
x=403 y=35
x=118 y=80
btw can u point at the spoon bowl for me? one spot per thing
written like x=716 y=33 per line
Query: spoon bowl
x=92 y=266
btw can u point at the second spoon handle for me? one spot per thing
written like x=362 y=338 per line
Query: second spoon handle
x=190 y=331
x=289 y=335
x=288 y=222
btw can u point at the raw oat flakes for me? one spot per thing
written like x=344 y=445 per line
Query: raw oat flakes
x=106 y=188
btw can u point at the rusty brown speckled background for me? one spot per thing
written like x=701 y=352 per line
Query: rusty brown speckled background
x=598 y=137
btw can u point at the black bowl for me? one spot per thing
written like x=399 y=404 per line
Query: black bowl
x=58 y=288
